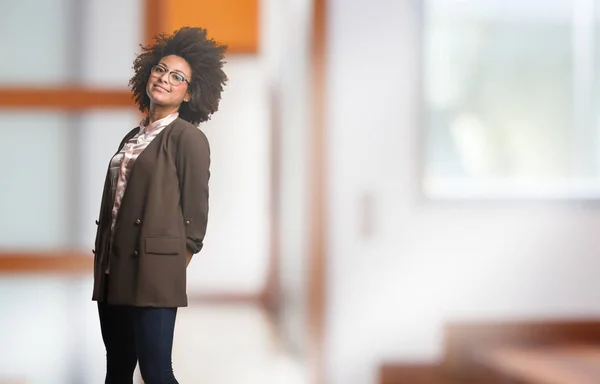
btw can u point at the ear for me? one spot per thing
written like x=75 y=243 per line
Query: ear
x=187 y=97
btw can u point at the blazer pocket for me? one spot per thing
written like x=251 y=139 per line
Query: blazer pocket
x=163 y=245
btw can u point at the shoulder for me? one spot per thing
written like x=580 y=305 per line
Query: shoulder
x=188 y=135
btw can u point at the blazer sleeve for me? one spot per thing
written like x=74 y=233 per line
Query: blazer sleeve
x=193 y=168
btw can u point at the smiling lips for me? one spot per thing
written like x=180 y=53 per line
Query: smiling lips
x=160 y=88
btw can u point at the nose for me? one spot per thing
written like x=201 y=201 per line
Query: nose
x=164 y=77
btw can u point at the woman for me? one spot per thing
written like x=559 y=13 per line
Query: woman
x=154 y=206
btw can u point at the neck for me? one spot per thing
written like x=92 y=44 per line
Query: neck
x=158 y=112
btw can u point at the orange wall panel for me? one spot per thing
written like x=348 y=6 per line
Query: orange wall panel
x=231 y=22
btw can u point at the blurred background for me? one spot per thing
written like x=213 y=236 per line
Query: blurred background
x=402 y=191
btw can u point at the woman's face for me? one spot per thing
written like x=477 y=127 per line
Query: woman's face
x=168 y=84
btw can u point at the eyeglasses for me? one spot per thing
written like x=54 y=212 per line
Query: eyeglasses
x=175 y=78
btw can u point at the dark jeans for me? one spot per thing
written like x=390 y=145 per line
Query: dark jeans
x=138 y=333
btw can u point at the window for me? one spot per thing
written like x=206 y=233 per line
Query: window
x=511 y=95
x=62 y=54
x=36 y=35
x=35 y=188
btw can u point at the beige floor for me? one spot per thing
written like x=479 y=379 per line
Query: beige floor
x=230 y=344
x=49 y=335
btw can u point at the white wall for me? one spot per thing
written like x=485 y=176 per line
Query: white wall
x=390 y=293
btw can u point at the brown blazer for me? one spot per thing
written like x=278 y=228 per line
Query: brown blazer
x=164 y=209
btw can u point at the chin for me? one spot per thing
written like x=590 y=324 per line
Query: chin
x=158 y=98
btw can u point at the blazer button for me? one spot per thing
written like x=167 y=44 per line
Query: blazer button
x=97 y=222
x=94 y=251
x=136 y=253
x=138 y=222
x=187 y=222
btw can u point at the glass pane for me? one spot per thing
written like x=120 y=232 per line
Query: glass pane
x=35 y=189
x=35 y=42
x=100 y=134
x=505 y=97
x=109 y=51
